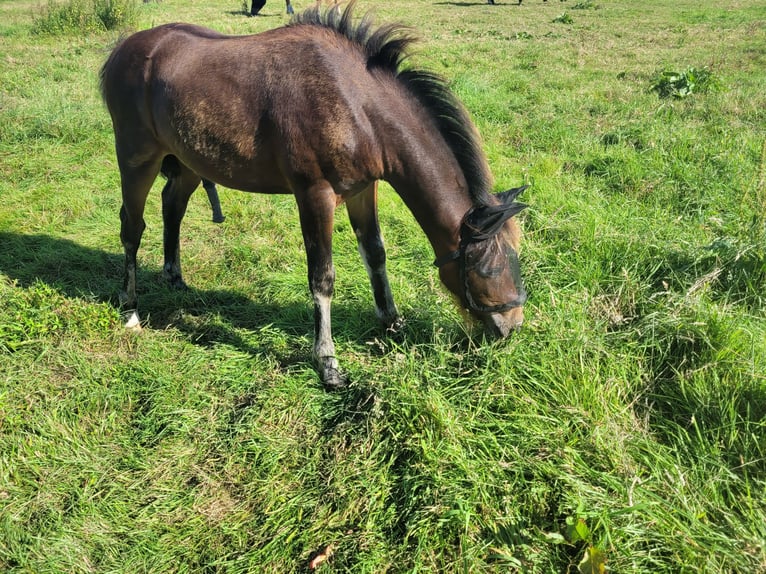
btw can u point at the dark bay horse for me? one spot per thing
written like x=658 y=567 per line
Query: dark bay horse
x=321 y=109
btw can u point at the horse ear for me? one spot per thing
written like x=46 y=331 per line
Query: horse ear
x=507 y=197
x=516 y=207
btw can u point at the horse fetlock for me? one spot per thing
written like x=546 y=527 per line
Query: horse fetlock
x=127 y=299
x=388 y=315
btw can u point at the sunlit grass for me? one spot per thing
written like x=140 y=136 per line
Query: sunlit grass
x=624 y=423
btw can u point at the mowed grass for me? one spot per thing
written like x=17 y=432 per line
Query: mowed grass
x=623 y=429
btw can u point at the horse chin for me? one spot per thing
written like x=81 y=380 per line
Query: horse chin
x=497 y=325
x=500 y=325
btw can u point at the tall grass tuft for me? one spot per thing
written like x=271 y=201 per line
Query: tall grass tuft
x=85 y=16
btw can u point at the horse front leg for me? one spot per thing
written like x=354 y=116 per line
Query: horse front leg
x=363 y=214
x=316 y=209
x=175 y=197
x=289 y=7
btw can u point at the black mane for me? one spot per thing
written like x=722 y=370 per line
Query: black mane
x=386 y=47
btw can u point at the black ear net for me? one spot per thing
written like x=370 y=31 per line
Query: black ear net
x=486 y=221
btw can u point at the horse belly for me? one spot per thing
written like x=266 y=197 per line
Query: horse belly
x=220 y=141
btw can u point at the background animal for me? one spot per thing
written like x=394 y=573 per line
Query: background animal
x=215 y=202
x=256 y=6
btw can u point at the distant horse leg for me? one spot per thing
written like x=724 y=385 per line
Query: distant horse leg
x=256 y=6
x=136 y=182
x=316 y=208
x=289 y=7
x=215 y=202
x=363 y=213
x=175 y=197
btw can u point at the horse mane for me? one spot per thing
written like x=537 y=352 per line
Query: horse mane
x=387 y=47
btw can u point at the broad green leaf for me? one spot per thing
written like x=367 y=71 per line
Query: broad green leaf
x=593 y=562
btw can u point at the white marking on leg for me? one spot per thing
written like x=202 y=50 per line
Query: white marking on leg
x=134 y=322
x=324 y=348
x=363 y=253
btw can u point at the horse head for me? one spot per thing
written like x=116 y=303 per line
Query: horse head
x=486 y=277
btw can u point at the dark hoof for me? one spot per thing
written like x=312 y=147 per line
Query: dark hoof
x=177 y=283
x=333 y=379
x=290 y=10
x=395 y=327
x=219 y=218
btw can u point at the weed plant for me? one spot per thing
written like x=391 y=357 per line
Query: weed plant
x=622 y=429
x=682 y=84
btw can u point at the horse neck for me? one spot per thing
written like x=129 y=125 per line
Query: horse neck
x=433 y=187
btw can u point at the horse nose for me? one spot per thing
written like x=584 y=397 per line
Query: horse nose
x=500 y=325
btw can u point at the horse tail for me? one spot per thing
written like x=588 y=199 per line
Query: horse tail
x=104 y=72
x=170 y=167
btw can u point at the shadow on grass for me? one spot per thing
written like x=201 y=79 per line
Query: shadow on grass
x=206 y=317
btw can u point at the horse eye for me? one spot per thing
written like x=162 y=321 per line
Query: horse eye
x=490 y=272
x=486 y=259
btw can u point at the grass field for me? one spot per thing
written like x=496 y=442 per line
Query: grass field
x=623 y=429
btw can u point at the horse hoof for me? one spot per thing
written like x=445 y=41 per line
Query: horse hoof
x=177 y=284
x=290 y=10
x=395 y=327
x=333 y=379
x=219 y=218
x=175 y=280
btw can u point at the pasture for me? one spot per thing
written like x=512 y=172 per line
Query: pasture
x=622 y=429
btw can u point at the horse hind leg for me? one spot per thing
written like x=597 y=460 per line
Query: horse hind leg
x=136 y=181
x=178 y=189
x=363 y=214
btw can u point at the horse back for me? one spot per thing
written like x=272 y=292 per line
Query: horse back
x=257 y=113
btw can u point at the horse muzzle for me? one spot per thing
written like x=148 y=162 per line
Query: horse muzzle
x=500 y=325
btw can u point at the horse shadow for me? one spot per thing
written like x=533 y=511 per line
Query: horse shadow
x=206 y=317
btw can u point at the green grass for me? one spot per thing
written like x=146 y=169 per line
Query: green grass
x=625 y=423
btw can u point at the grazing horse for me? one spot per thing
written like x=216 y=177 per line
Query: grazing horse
x=321 y=109
x=256 y=6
